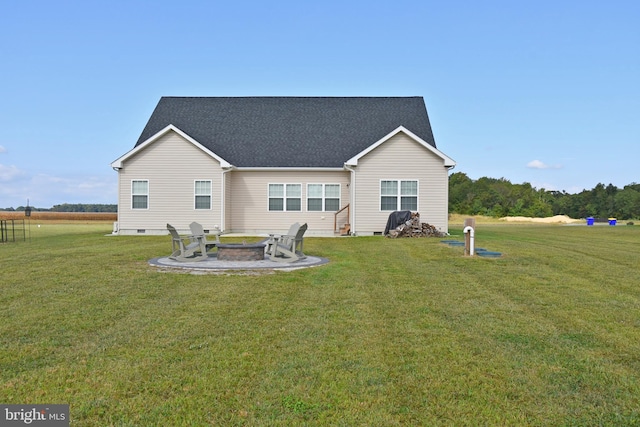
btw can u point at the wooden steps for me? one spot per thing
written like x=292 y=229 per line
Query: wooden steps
x=344 y=230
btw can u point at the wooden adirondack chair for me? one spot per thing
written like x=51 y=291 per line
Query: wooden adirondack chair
x=186 y=248
x=288 y=247
x=197 y=231
x=273 y=238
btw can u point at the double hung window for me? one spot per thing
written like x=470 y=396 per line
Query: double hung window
x=285 y=197
x=202 y=194
x=140 y=194
x=323 y=197
x=399 y=195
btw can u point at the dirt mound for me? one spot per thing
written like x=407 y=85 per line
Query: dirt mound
x=562 y=219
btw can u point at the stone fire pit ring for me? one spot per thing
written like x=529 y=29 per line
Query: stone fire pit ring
x=240 y=251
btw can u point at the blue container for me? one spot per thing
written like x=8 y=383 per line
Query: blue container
x=590 y=220
x=612 y=221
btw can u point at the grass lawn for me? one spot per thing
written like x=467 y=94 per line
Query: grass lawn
x=390 y=332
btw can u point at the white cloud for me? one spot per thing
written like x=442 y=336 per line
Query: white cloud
x=546 y=185
x=77 y=189
x=8 y=173
x=2 y=149
x=574 y=189
x=537 y=164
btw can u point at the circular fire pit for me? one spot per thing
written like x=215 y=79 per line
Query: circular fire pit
x=240 y=251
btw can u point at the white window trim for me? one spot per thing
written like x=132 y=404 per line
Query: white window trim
x=195 y=195
x=324 y=195
x=399 y=195
x=147 y=194
x=284 y=197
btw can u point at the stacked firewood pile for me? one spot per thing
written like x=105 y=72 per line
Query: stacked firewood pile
x=415 y=228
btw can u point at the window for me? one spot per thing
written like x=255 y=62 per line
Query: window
x=399 y=195
x=140 y=194
x=285 y=197
x=323 y=197
x=202 y=193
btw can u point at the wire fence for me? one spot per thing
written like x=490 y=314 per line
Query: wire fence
x=12 y=230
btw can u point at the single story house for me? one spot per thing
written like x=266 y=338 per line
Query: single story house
x=259 y=164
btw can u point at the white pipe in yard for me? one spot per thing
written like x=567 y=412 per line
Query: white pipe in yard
x=469 y=229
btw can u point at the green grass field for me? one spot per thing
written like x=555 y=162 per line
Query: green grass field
x=390 y=332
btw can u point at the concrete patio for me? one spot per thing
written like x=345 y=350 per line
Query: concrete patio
x=212 y=264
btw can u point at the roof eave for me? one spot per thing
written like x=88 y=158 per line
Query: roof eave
x=288 y=169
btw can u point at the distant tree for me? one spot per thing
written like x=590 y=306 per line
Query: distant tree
x=80 y=207
x=559 y=202
x=627 y=203
x=499 y=197
x=460 y=193
x=633 y=186
x=33 y=208
x=496 y=197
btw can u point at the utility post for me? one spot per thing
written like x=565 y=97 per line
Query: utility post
x=27 y=214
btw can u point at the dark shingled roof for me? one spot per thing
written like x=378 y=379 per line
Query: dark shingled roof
x=289 y=131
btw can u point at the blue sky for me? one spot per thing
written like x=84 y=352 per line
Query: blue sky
x=545 y=92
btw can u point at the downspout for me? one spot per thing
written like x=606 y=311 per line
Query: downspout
x=352 y=201
x=223 y=199
x=449 y=169
x=116 y=225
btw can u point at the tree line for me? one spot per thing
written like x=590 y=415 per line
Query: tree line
x=499 y=198
x=69 y=207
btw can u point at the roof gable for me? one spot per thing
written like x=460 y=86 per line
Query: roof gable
x=139 y=147
x=288 y=131
x=448 y=162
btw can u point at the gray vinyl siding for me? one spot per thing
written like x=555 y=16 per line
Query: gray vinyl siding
x=171 y=165
x=248 y=204
x=400 y=158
